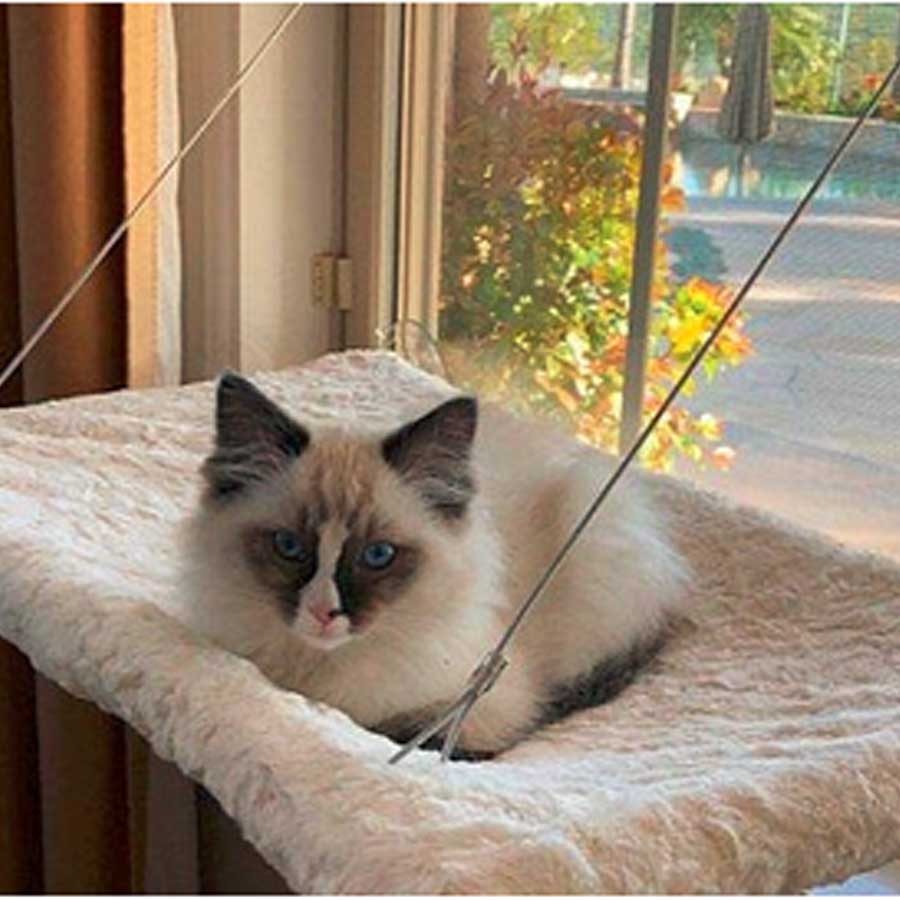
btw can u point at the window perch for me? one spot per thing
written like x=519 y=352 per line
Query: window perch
x=760 y=754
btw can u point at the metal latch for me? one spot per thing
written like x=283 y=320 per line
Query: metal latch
x=332 y=281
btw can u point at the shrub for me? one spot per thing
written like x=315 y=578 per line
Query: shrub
x=539 y=232
x=854 y=101
x=803 y=57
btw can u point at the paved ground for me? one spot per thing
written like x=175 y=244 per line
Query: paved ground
x=815 y=414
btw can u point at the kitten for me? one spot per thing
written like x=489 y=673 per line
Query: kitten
x=374 y=571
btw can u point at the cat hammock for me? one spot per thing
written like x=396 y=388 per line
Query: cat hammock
x=761 y=753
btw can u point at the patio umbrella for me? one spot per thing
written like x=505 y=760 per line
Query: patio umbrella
x=747 y=114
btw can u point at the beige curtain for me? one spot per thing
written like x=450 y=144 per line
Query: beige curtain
x=154 y=247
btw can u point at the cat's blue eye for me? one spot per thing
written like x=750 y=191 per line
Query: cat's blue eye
x=288 y=545
x=379 y=555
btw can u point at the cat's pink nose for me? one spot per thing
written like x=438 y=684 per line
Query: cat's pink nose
x=323 y=613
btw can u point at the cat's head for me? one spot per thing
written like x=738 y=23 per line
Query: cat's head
x=330 y=530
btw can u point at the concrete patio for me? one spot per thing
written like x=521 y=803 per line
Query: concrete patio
x=814 y=415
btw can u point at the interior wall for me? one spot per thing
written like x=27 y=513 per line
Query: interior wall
x=291 y=134
x=207 y=38
x=262 y=192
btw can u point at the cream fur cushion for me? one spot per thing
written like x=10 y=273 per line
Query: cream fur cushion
x=761 y=754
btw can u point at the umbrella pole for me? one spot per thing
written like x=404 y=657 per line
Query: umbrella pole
x=741 y=169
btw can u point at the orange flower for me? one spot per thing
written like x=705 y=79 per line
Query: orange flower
x=871 y=81
x=723 y=457
x=673 y=199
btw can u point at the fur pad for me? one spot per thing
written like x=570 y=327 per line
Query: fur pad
x=760 y=753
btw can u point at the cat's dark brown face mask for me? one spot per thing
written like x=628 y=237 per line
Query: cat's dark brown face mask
x=329 y=558
x=331 y=582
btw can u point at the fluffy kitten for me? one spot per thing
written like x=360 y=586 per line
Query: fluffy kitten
x=373 y=572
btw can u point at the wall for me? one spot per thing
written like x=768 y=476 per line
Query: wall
x=291 y=139
x=262 y=192
x=207 y=38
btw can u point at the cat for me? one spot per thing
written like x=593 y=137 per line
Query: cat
x=372 y=572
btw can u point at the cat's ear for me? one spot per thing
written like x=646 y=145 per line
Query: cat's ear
x=255 y=439
x=434 y=454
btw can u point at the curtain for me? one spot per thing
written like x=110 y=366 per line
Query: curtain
x=87 y=113
x=20 y=833
x=62 y=195
x=86 y=126
x=151 y=140
x=9 y=309
x=66 y=101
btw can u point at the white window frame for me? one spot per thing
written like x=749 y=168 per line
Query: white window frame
x=399 y=79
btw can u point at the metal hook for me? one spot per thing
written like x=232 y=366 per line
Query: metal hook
x=482 y=679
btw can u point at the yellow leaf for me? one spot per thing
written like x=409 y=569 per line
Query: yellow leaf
x=710 y=427
x=564 y=398
x=687 y=334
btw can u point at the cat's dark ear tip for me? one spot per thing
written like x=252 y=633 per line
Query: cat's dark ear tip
x=229 y=380
x=234 y=388
x=467 y=404
x=463 y=410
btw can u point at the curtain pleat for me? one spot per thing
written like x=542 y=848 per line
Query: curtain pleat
x=154 y=247
x=63 y=778
x=66 y=90
x=162 y=823
x=138 y=756
x=84 y=795
x=88 y=115
x=10 y=334
x=20 y=835
x=20 y=813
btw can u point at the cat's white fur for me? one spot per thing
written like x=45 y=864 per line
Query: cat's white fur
x=618 y=586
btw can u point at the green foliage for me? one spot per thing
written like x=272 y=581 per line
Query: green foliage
x=805 y=52
x=853 y=102
x=529 y=38
x=535 y=36
x=803 y=57
x=868 y=57
x=540 y=201
x=803 y=48
x=705 y=32
x=872 y=46
x=581 y=38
